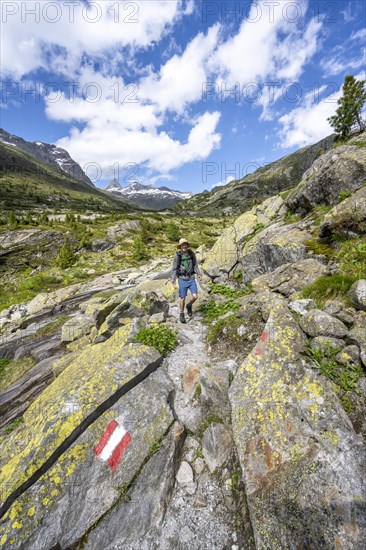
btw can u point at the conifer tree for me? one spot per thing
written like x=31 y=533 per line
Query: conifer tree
x=350 y=107
x=66 y=256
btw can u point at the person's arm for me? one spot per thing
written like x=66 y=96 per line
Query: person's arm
x=174 y=268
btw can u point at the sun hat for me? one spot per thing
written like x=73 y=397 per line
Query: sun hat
x=182 y=241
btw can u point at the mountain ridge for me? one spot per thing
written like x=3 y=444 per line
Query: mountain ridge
x=48 y=153
x=241 y=195
x=146 y=196
x=28 y=183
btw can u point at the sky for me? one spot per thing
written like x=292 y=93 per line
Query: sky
x=187 y=94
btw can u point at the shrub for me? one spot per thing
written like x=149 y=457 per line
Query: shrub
x=39 y=283
x=345 y=376
x=352 y=257
x=238 y=275
x=66 y=256
x=343 y=194
x=213 y=310
x=224 y=290
x=161 y=338
x=146 y=231
x=172 y=231
x=319 y=248
x=12 y=220
x=139 y=250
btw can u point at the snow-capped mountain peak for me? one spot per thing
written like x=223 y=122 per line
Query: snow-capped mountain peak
x=146 y=196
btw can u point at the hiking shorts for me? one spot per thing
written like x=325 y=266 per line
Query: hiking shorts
x=185 y=284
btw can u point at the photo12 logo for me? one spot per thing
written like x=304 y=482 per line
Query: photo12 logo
x=253 y=92
x=52 y=12
x=53 y=92
x=123 y=173
x=227 y=173
x=253 y=12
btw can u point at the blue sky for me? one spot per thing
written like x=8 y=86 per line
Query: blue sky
x=179 y=93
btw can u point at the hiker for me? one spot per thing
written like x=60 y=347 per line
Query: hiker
x=184 y=267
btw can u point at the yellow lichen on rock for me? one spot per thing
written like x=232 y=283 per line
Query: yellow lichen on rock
x=94 y=375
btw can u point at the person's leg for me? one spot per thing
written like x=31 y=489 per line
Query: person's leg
x=194 y=296
x=183 y=288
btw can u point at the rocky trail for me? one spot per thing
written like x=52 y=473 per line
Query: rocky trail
x=175 y=502
x=171 y=497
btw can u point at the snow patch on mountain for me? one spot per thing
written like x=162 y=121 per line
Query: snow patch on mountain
x=147 y=196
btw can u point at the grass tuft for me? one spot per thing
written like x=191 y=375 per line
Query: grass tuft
x=329 y=287
x=161 y=338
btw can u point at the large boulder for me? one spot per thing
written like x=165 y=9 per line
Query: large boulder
x=144 y=505
x=340 y=169
x=303 y=465
x=46 y=300
x=214 y=382
x=86 y=478
x=136 y=303
x=273 y=247
x=17 y=397
x=290 y=278
x=327 y=344
x=120 y=229
x=76 y=327
x=102 y=245
x=224 y=255
x=357 y=335
x=348 y=216
x=319 y=323
x=100 y=307
x=217 y=445
x=357 y=294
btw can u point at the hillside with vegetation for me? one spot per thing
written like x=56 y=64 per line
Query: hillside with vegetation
x=26 y=183
x=240 y=195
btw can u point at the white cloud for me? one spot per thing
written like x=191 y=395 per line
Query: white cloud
x=267 y=52
x=179 y=82
x=348 y=56
x=259 y=50
x=347 y=13
x=359 y=35
x=308 y=123
x=112 y=136
x=118 y=131
x=109 y=101
x=58 y=37
x=334 y=66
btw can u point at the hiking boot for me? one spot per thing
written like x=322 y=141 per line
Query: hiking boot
x=182 y=318
x=189 y=310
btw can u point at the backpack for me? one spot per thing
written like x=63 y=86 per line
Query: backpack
x=193 y=263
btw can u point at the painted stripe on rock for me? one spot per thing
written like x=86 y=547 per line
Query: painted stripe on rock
x=105 y=437
x=112 y=444
x=118 y=452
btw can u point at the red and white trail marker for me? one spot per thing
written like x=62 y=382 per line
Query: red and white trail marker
x=113 y=444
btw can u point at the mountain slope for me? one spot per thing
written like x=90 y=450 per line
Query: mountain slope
x=240 y=195
x=144 y=196
x=48 y=153
x=26 y=182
